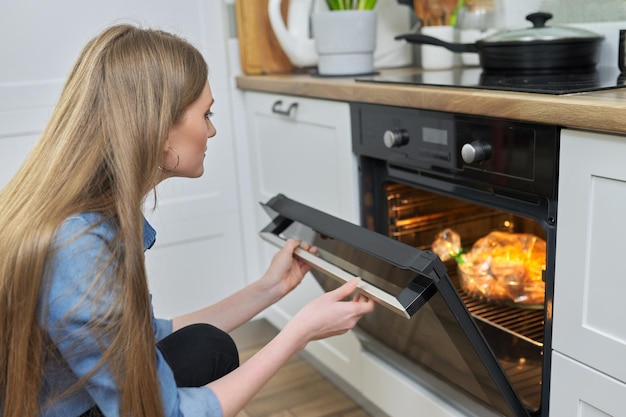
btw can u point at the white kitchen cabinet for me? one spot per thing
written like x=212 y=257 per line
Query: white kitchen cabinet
x=301 y=148
x=578 y=390
x=590 y=281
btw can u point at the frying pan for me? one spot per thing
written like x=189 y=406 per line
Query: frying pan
x=537 y=49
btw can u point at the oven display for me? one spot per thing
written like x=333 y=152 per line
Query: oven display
x=435 y=136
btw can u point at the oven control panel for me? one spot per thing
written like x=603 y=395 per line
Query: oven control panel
x=476 y=152
x=395 y=138
x=480 y=149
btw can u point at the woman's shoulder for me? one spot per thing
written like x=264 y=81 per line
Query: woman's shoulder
x=90 y=226
x=84 y=224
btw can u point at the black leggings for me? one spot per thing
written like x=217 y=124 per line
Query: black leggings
x=197 y=354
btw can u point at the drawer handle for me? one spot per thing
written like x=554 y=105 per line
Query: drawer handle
x=276 y=108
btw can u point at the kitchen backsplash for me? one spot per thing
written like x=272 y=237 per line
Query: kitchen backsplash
x=577 y=11
x=564 y=11
x=511 y=14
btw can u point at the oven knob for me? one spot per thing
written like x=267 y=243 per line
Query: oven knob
x=394 y=138
x=475 y=152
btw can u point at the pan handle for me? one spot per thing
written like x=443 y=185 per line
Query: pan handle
x=429 y=40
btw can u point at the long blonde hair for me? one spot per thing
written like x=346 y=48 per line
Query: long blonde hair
x=100 y=152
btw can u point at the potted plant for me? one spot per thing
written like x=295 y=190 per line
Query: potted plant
x=345 y=37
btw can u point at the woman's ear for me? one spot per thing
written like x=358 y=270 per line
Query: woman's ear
x=164 y=152
x=171 y=159
x=166 y=144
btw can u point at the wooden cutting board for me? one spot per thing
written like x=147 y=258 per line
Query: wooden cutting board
x=259 y=50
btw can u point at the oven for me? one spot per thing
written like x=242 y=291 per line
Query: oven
x=475 y=187
x=425 y=174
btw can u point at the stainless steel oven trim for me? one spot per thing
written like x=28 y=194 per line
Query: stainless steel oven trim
x=340 y=275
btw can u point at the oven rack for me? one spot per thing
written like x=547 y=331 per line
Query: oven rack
x=520 y=322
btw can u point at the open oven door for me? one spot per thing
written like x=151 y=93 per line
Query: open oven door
x=407 y=282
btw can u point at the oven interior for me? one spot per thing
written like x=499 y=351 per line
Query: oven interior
x=514 y=333
x=428 y=340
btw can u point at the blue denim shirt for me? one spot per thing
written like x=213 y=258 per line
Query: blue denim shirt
x=70 y=274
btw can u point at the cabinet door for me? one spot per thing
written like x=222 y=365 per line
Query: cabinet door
x=578 y=390
x=302 y=148
x=590 y=281
x=304 y=153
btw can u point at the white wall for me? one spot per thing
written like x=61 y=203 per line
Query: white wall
x=582 y=11
x=198 y=257
x=512 y=13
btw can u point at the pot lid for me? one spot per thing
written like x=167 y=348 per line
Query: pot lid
x=541 y=32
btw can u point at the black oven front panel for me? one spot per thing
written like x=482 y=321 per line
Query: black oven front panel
x=495 y=154
x=425 y=172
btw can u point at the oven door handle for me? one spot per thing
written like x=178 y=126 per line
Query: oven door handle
x=341 y=275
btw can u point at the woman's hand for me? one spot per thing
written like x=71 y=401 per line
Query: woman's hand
x=325 y=316
x=330 y=314
x=286 y=271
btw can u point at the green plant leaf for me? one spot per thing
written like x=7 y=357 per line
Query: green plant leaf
x=351 y=4
x=367 y=4
x=333 y=4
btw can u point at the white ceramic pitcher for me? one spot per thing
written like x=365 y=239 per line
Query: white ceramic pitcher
x=294 y=37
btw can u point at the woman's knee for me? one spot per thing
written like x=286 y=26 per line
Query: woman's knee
x=199 y=353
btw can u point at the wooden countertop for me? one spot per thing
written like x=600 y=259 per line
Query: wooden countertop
x=598 y=111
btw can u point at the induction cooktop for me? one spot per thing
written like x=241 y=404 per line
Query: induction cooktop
x=602 y=78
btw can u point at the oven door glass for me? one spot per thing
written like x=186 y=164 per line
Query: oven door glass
x=403 y=280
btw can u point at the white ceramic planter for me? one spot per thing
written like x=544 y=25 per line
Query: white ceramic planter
x=345 y=41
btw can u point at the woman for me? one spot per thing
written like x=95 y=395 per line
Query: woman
x=78 y=334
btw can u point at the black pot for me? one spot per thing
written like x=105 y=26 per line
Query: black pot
x=537 y=49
